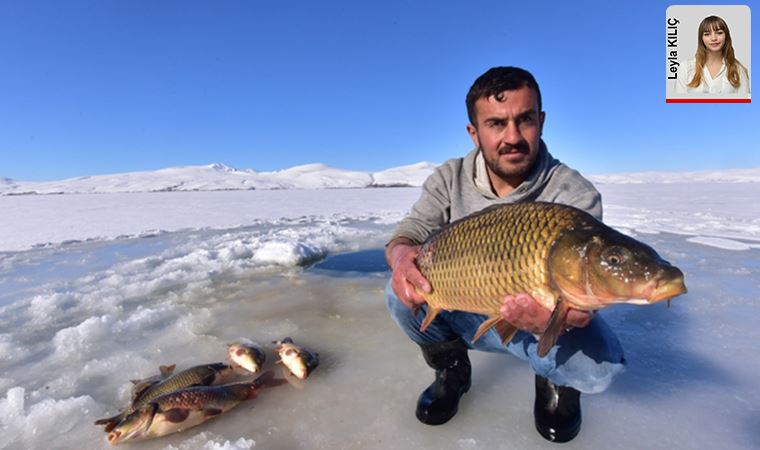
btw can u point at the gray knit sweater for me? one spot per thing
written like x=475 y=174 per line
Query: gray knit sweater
x=460 y=187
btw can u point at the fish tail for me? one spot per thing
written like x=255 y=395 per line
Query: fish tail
x=266 y=379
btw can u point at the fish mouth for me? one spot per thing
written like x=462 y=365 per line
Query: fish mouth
x=116 y=437
x=137 y=430
x=668 y=287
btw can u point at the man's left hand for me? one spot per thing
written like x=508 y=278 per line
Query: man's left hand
x=525 y=313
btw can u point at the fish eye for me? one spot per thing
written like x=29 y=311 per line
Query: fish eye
x=614 y=256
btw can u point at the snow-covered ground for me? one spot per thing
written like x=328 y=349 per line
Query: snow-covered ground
x=98 y=289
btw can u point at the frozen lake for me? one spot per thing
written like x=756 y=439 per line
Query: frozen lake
x=78 y=320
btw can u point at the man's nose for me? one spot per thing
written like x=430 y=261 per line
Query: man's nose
x=512 y=133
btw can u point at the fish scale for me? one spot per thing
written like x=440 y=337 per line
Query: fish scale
x=553 y=252
x=466 y=261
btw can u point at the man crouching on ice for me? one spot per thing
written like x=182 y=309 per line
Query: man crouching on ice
x=509 y=164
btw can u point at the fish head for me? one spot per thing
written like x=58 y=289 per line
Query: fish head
x=134 y=426
x=297 y=360
x=249 y=357
x=598 y=266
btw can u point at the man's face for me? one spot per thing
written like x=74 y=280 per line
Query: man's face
x=509 y=132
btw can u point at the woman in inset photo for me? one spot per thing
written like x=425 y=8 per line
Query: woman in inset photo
x=714 y=69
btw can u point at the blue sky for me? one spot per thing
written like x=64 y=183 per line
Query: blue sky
x=95 y=87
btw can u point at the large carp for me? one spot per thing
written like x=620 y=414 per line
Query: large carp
x=562 y=256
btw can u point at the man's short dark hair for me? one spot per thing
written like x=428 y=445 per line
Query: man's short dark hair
x=495 y=81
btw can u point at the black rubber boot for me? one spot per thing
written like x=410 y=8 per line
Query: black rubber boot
x=440 y=401
x=557 y=411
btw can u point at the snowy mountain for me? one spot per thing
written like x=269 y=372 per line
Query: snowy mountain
x=6 y=184
x=220 y=177
x=721 y=176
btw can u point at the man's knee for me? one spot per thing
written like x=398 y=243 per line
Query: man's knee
x=587 y=359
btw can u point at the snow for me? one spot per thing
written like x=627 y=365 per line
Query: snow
x=98 y=289
x=220 y=177
x=723 y=176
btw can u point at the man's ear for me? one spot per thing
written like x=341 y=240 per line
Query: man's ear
x=473 y=132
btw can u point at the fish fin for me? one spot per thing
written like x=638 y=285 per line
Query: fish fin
x=167 y=370
x=135 y=381
x=554 y=329
x=176 y=415
x=429 y=317
x=267 y=379
x=211 y=412
x=485 y=326
x=110 y=422
x=506 y=331
x=140 y=388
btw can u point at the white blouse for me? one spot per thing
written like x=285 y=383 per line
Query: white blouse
x=709 y=85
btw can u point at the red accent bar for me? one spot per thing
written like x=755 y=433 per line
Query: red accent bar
x=708 y=100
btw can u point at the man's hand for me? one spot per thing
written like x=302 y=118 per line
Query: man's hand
x=525 y=313
x=401 y=256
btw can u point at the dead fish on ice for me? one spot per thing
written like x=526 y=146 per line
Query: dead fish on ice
x=299 y=361
x=203 y=375
x=186 y=408
x=248 y=355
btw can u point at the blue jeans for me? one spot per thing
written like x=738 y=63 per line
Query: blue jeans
x=586 y=359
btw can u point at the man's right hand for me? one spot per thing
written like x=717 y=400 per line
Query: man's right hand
x=406 y=276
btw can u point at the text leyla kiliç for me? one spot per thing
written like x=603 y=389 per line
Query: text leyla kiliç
x=672 y=45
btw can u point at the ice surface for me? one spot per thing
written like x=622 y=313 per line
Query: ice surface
x=40 y=220
x=79 y=320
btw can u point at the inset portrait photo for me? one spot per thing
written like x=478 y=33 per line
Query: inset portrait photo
x=707 y=54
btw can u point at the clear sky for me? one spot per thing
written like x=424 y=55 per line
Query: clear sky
x=105 y=86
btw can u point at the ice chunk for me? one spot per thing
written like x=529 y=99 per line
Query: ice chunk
x=79 y=341
x=286 y=253
x=33 y=429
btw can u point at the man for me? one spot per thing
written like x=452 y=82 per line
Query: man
x=509 y=164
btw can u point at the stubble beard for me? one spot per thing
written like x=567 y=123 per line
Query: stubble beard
x=514 y=171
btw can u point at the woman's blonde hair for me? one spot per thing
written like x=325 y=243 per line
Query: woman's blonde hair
x=732 y=65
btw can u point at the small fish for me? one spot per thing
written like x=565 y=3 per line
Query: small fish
x=299 y=361
x=247 y=355
x=185 y=408
x=203 y=375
